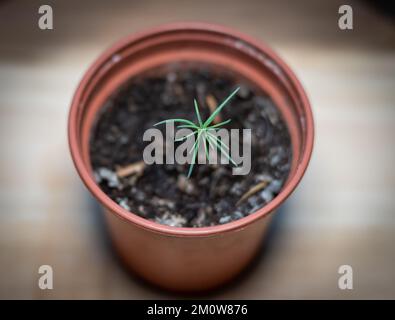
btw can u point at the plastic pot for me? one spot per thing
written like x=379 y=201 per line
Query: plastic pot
x=189 y=259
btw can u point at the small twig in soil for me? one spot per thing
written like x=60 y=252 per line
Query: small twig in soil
x=133 y=168
x=252 y=191
x=212 y=105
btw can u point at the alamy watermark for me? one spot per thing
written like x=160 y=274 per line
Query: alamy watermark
x=45 y=281
x=163 y=150
x=346 y=19
x=345 y=281
x=45 y=20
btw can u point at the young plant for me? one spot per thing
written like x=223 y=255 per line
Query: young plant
x=203 y=132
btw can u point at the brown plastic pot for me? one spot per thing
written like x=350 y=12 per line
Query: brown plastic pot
x=189 y=258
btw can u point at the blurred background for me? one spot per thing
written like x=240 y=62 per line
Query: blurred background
x=342 y=212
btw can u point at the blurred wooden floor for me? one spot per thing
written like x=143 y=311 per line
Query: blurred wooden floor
x=343 y=212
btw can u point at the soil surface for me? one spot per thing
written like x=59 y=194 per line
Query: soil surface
x=162 y=192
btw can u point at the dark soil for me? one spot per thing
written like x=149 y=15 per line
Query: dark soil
x=162 y=193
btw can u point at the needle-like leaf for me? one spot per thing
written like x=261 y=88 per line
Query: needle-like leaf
x=197 y=142
x=195 y=151
x=175 y=120
x=206 y=151
x=188 y=126
x=186 y=137
x=212 y=144
x=197 y=112
x=223 y=150
x=220 y=124
x=219 y=141
x=219 y=108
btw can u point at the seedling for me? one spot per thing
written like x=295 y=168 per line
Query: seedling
x=203 y=132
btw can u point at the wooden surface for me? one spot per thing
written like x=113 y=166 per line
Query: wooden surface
x=342 y=213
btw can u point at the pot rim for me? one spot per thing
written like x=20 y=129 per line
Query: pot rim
x=111 y=205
